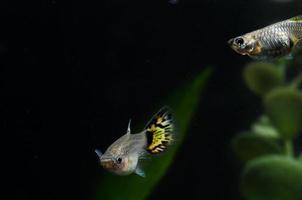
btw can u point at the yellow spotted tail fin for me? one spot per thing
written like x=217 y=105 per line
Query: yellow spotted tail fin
x=159 y=131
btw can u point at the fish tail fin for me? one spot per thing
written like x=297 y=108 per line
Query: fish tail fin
x=159 y=131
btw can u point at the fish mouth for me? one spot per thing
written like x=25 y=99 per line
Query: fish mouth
x=107 y=163
x=231 y=42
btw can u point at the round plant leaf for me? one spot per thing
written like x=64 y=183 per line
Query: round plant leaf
x=272 y=178
x=284 y=108
x=261 y=77
x=248 y=146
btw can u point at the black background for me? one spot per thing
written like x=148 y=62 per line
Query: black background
x=73 y=73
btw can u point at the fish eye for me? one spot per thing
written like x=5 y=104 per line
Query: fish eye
x=239 y=41
x=119 y=160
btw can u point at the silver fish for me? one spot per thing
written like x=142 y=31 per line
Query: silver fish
x=270 y=42
x=123 y=156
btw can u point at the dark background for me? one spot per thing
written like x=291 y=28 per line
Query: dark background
x=73 y=73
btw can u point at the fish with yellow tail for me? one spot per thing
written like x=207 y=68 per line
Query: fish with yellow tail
x=274 y=41
x=123 y=156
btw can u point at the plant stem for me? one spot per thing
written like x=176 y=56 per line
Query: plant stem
x=288 y=148
x=282 y=67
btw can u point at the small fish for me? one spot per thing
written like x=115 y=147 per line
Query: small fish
x=123 y=156
x=274 y=41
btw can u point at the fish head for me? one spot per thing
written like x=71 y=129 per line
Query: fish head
x=244 y=45
x=113 y=163
x=118 y=160
x=121 y=165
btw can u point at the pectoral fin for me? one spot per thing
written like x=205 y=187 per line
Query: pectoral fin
x=139 y=171
x=289 y=56
x=98 y=152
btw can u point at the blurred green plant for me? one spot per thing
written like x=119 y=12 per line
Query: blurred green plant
x=272 y=177
x=272 y=171
x=262 y=77
x=183 y=101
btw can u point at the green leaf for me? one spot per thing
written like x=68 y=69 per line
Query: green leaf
x=261 y=77
x=184 y=101
x=272 y=178
x=248 y=146
x=264 y=127
x=284 y=108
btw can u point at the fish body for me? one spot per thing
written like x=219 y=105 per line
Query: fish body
x=123 y=156
x=273 y=41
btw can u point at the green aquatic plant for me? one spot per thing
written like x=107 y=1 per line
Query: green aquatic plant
x=272 y=169
x=272 y=178
x=184 y=101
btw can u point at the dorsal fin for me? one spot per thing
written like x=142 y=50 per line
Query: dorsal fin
x=129 y=129
x=296 y=18
x=159 y=131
